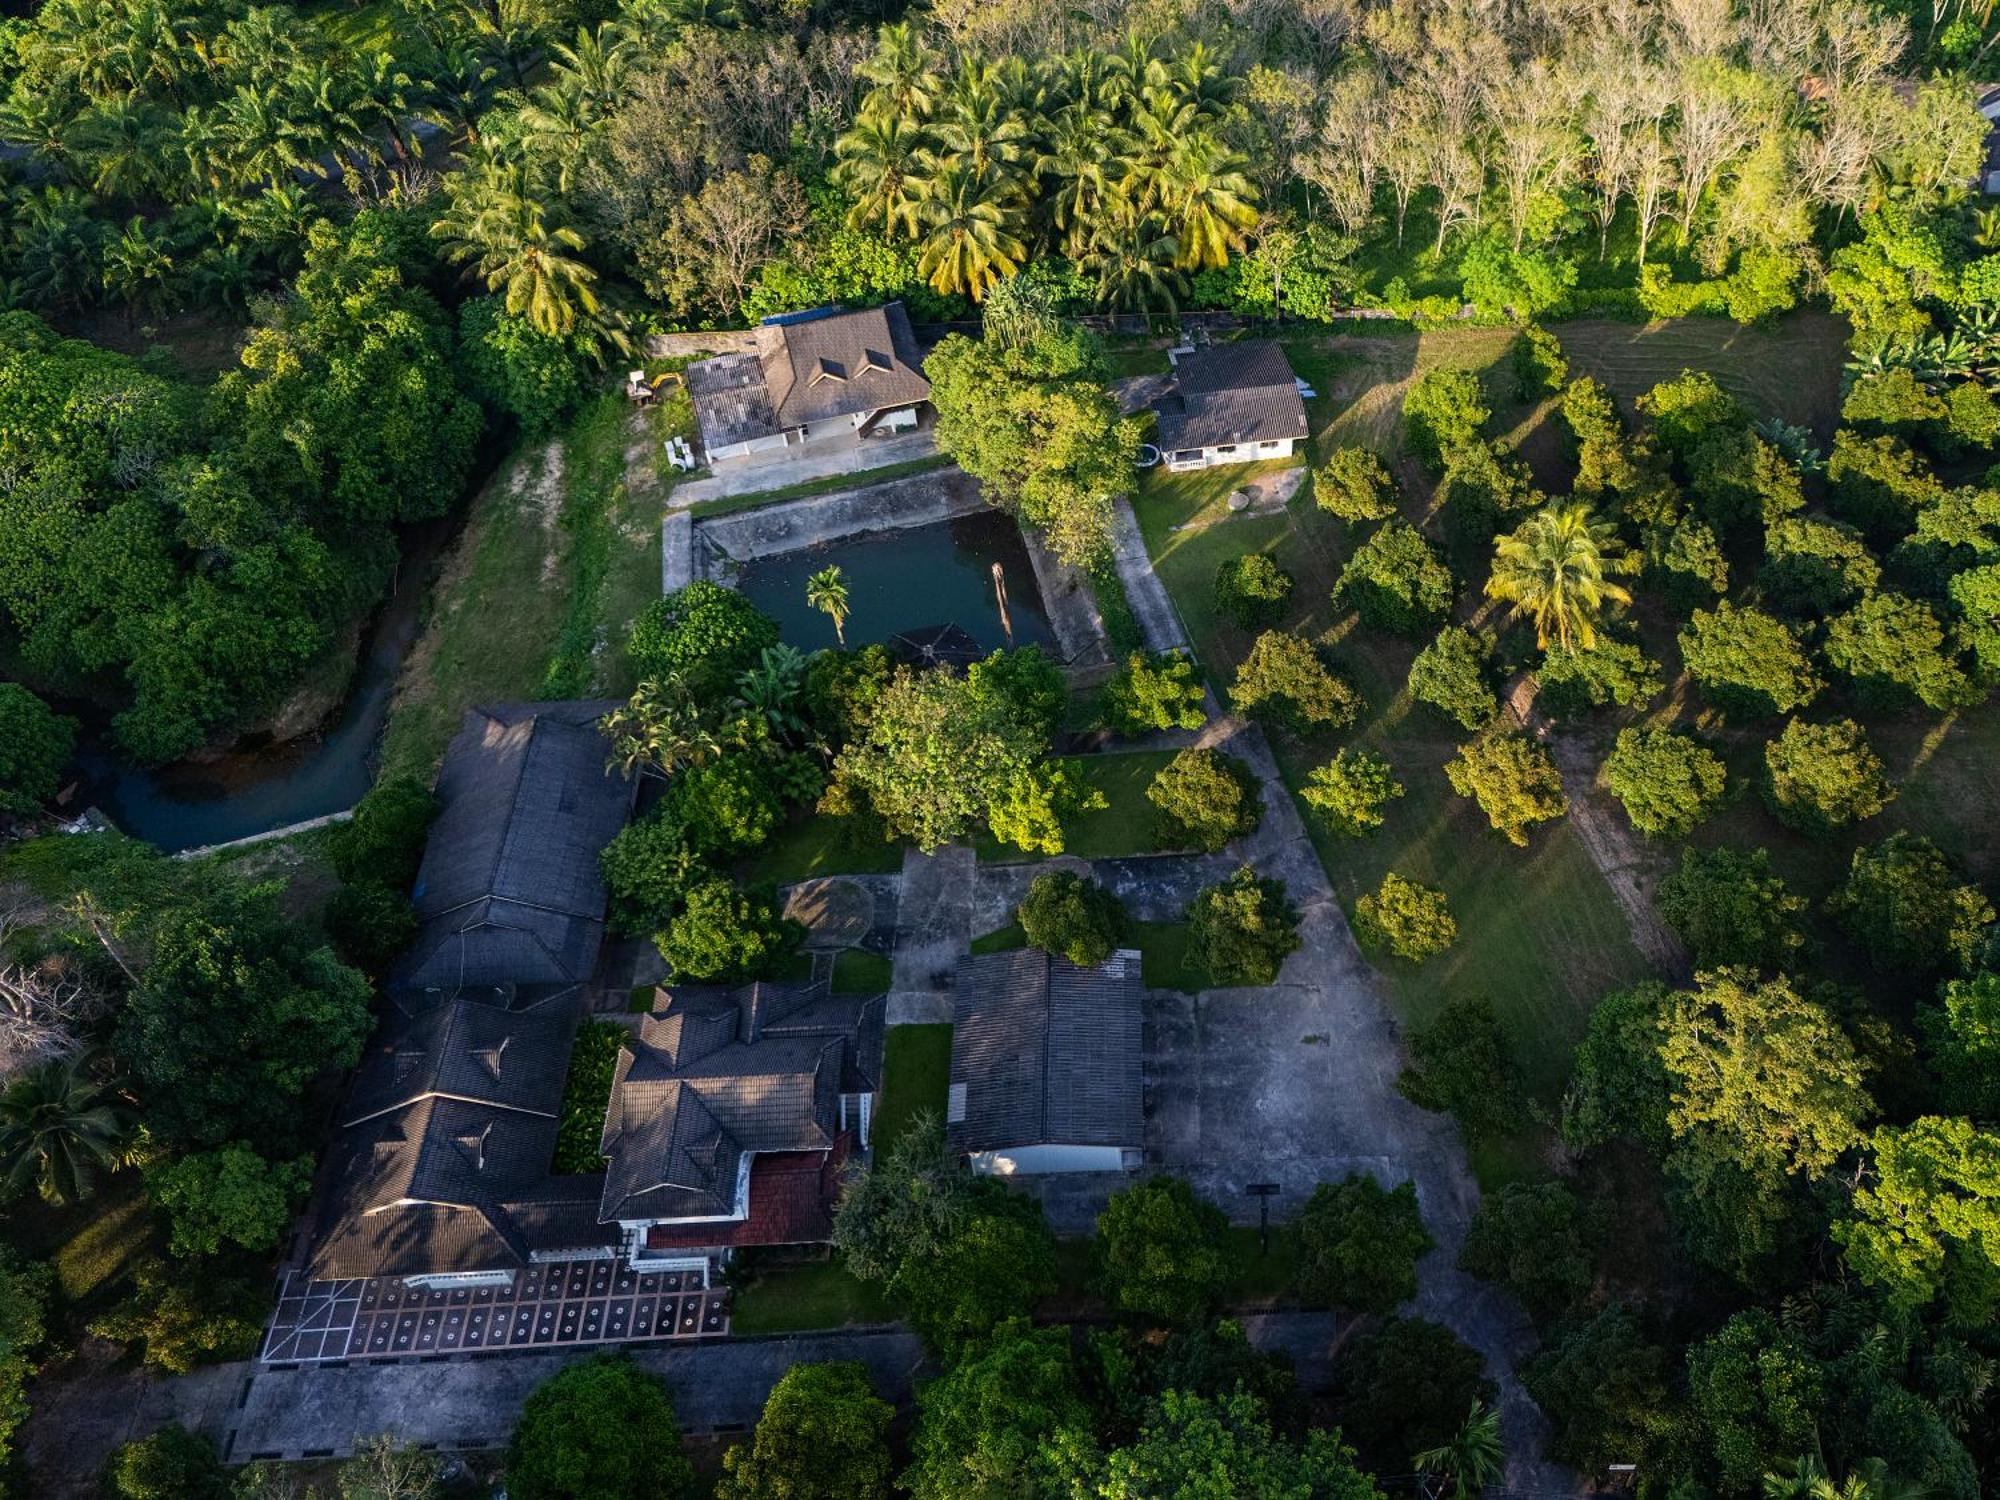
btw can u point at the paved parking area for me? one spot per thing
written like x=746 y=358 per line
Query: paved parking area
x=552 y=1306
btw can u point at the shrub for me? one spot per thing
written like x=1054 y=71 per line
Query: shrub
x=1069 y=914
x=1906 y=907
x=1359 y=1244
x=534 y=377
x=1730 y=909
x=1451 y=675
x=1685 y=563
x=370 y=925
x=1284 y=680
x=1618 y=1088
x=1396 y=581
x=1686 y=409
x=1962 y=1040
x=228 y=1194
x=35 y=744
x=1540 y=366
x=1241 y=931
x=1813 y=568
x=725 y=933
x=1668 y=781
x=1403 y=1387
x=1460 y=1065
x=1538 y=1238
x=600 y=1427
x=384 y=841
x=1252 y=590
x=705 y=633
x=1159 y=1252
x=1350 y=791
x=593 y=1062
x=1893 y=650
x=1154 y=692
x=1740 y=481
x=184 y=1321
x=1819 y=777
x=1412 y=921
x=1444 y=410
x=1482 y=486
x=1513 y=780
x=1604 y=1386
x=648 y=870
x=994 y=1263
x=724 y=808
x=172 y=1464
x=1205 y=798
x=1879 y=484
x=1746 y=661
x=1975 y=601
x=1355 y=486
x=1573 y=680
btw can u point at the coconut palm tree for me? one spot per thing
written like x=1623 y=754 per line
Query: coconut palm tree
x=1134 y=258
x=1554 y=569
x=59 y=1127
x=1077 y=161
x=903 y=74
x=968 y=223
x=1868 y=1480
x=881 y=163
x=498 y=222
x=1471 y=1457
x=1210 y=201
x=826 y=591
x=660 y=728
x=977 y=124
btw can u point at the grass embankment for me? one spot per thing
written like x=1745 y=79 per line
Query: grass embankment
x=560 y=552
x=827 y=484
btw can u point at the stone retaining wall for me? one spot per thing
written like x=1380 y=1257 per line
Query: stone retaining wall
x=787 y=525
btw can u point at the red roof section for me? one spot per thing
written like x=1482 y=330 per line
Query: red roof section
x=792 y=1194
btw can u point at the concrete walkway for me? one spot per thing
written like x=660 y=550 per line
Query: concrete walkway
x=933 y=931
x=676 y=551
x=1158 y=620
x=777 y=471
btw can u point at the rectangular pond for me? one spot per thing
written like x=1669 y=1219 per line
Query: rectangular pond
x=908 y=580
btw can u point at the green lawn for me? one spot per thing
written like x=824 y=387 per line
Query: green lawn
x=1125 y=826
x=856 y=971
x=916 y=1069
x=1163 y=949
x=810 y=844
x=795 y=1298
x=1257 y=1275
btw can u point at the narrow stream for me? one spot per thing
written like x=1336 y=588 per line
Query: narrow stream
x=255 y=788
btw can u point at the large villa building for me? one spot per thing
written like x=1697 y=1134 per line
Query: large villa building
x=823 y=378
x=731 y=1111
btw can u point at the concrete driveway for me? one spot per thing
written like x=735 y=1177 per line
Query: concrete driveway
x=811 y=460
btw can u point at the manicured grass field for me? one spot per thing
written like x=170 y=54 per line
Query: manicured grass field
x=1162 y=950
x=792 y=1299
x=856 y=971
x=916 y=1067
x=809 y=844
x=1539 y=933
x=1124 y=826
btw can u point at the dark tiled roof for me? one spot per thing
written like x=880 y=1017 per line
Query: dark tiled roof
x=509 y=890
x=809 y=371
x=444 y=1162
x=1231 y=393
x=716 y=1076
x=1046 y=1053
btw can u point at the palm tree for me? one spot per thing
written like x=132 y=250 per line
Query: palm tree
x=1553 y=568
x=969 y=241
x=121 y=144
x=60 y=1127
x=1134 y=258
x=1868 y=1480
x=137 y=268
x=660 y=728
x=1210 y=199
x=903 y=73
x=497 y=221
x=771 y=688
x=826 y=591
x=1471 y=1457
x=977 y=124
x=1078 y=160
x=880 y=163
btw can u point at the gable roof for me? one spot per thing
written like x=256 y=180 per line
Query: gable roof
x=1242 y=392
x=809 y=368
x=509 y=889
x=1046 y=1053
x=443 y=1160
x=714 y=1077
